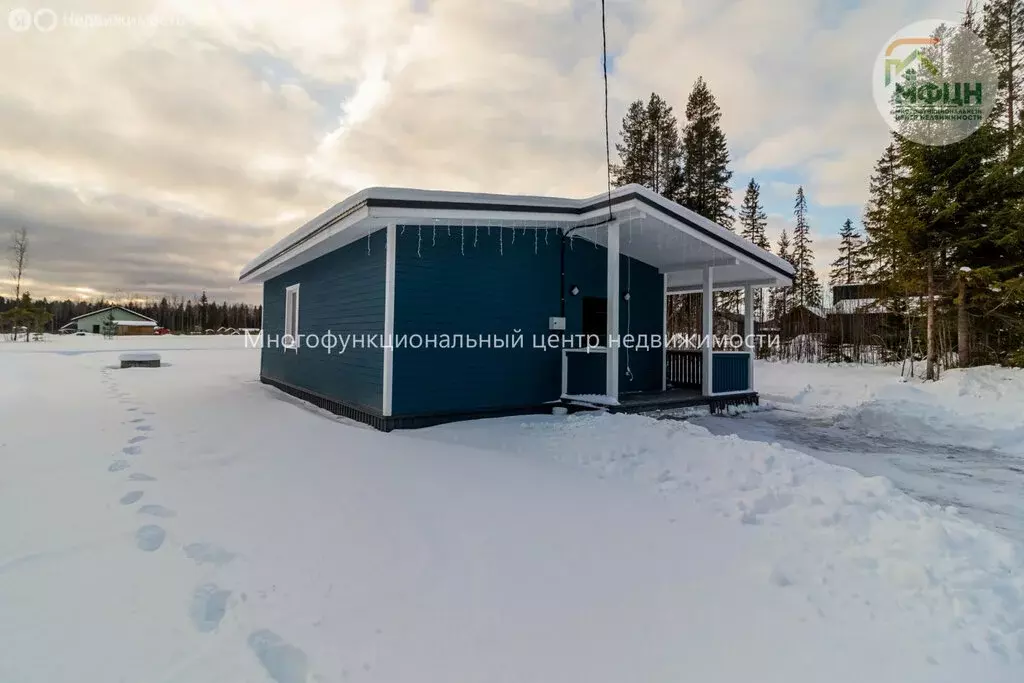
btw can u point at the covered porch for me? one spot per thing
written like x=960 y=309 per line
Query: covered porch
x=692 y=255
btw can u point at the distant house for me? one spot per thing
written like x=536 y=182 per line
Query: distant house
x=404 y=308
x=803 y=320
x=126 y=322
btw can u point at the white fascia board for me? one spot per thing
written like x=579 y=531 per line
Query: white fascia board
x=506 y=218
x=740 y=251
x=721 y=232
x=334 y=237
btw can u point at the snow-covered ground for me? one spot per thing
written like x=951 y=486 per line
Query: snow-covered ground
x=957 y=442
x=187 y=523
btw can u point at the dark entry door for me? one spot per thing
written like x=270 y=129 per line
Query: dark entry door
x=595 y=317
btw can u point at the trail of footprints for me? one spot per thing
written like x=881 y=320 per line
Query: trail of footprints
x=283 y=662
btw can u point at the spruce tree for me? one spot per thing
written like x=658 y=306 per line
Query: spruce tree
x=806 y=289
x=885 y=249
x=650 y=151
x=705 y=159
x=753 y=221
x=781 y=296
x=849 y=267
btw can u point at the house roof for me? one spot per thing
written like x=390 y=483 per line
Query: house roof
x=103 y=310
x=669 y=236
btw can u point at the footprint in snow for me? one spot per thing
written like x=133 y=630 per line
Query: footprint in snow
x=283 y=662
x=138 y=419
x=209 y=603
x=131 y=410
x=139 y=476
x=118 y=465
x=131 y=497
x=150 y=537
x=143 y=428
x=137 y=439
x=157 y=511
x=134 y=449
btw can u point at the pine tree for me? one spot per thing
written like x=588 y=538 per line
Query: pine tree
x=753 y=221
x=650 y=151
x=705 y=170
x=849 y=267
x=781 y=296
x=806 y=289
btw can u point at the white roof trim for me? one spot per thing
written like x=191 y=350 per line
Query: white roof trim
x=371 y=209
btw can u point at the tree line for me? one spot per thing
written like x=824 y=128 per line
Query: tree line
x=185 y=315
x=179 y=314
x=945 y=224
x=942 y=246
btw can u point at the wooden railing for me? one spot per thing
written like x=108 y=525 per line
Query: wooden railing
x=684 y=368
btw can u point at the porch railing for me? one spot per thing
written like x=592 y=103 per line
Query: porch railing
x=684 y=368
x=731 y=370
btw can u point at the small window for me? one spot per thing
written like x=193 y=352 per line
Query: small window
x=595 y=318
x=291 y=317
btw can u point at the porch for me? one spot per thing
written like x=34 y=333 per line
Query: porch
x=732 y=381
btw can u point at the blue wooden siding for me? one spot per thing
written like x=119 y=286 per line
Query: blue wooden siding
x=730 y=372
x=341 y=292
x=464 y=281
x=586 y=266
x=474 y=281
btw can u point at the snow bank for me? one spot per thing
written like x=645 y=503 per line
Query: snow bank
x=975 y=407
x=839 y=539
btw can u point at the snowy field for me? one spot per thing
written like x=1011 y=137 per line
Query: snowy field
x=188 y=524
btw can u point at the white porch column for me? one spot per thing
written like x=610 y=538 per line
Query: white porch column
x=707 y=328
x=389 y=317
x=612 y=367
x=664 y=331
x=748 y=332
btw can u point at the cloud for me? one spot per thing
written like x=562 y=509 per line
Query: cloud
x=160 y=156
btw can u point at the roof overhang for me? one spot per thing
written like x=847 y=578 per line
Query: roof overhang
x=659 y=232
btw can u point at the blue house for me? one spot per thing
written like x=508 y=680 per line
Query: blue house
x=405 y=308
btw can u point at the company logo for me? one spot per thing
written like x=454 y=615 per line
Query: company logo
x=935 y=82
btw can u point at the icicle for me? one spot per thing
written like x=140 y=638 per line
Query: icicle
x=513 y=233
x=433 y=237
x=535 y=238
x=449 y=230
x=419 y=241
x=367 y=244
x=501 y=241
x=402 y=232
x=545 y=237
x=462 y=240
x=476 y=231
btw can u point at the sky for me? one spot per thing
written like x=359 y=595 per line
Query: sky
x=152 y=148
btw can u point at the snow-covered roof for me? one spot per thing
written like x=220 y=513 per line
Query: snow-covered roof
x=670 y=235
x=135 y=323
x=104 y=310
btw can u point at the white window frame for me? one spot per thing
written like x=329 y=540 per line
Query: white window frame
x=290 y=339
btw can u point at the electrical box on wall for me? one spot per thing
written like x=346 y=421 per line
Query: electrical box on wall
x=556 y=323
